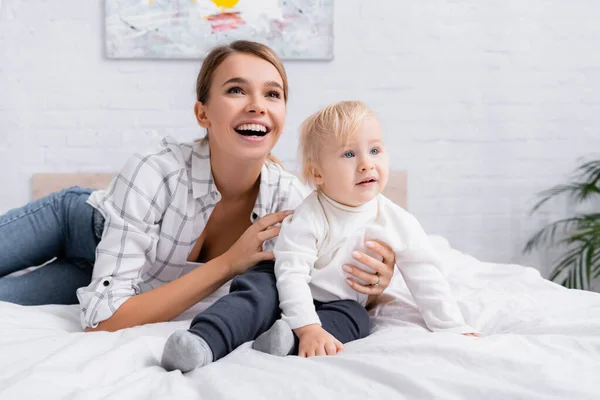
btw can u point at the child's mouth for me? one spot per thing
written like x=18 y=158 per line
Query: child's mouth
x=367 y=182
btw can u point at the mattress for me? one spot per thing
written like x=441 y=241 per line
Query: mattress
x=541 y=341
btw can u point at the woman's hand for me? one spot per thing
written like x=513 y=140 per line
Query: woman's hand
x=316 y=341
x=384 y=270
x=247 y=251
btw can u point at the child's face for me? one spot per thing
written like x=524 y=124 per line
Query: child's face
x=357 y=172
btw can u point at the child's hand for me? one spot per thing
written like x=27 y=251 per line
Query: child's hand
x=316 y=341
x=475 y=334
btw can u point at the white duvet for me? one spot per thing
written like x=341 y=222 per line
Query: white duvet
x=541 y=342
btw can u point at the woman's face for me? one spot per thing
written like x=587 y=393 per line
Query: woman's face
x=245 y=111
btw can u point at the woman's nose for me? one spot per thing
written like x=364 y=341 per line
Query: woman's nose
x=255 y=107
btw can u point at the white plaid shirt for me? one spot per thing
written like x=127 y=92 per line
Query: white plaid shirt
x=154 y=211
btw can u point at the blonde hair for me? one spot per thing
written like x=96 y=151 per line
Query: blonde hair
x=338 y=121
x=218 y=54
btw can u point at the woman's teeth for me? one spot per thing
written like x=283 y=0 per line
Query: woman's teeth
x=251 y=129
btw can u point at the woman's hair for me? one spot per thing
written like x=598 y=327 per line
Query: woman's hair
x=218 y=54
x=338 y=121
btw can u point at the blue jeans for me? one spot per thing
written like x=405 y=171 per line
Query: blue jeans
x=60 y=226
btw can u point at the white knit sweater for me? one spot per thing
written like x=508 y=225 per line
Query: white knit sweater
x=318 y=239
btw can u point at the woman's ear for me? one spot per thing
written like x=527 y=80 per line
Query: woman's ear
x=200 y=113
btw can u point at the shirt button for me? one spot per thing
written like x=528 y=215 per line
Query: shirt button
x=106 y=283
x=254 y=215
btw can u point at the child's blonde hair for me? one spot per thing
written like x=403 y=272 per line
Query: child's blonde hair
x=338 y=121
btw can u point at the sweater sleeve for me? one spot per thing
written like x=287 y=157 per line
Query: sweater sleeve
x=421 y=269
x=295 y=254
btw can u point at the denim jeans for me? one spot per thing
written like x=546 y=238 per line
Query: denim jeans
x=61 y=227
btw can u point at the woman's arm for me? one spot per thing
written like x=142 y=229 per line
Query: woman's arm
x=133 y=205
x=168 y=301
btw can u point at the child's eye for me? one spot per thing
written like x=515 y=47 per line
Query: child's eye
x=235 y=90
x=275 y=95
x=375 y=151
x=348 y=154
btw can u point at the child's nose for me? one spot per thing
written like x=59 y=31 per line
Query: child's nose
x=365 y=165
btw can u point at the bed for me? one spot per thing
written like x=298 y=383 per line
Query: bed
x=542 y=341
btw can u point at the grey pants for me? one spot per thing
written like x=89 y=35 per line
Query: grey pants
x=252 y=307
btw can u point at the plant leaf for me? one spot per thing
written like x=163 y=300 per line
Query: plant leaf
x=590 y=171
x=580 y=234
x=548 y=233
x=565 y=263
x=586 y=185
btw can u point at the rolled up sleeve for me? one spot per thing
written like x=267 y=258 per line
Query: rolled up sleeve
x=133 y=206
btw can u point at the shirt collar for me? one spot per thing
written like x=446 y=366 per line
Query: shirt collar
x=203 y=182
x=266 y=192
x=357 y=209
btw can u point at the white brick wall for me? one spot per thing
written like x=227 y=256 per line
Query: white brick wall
x=483 y=102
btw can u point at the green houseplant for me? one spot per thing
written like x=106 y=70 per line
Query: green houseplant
x=579 y=234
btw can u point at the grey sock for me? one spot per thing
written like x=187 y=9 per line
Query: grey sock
x=279 y=340
x=185 y=351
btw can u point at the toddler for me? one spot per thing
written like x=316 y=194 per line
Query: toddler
x=344 y=157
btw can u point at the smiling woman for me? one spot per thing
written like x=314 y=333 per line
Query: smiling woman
x=123 y=252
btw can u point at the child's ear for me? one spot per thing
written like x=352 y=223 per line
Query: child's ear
x=316 y=175
x=200 y=113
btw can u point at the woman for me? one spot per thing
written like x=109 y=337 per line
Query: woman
x=123 y=253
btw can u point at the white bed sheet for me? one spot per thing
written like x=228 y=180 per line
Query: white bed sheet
x=542 y=342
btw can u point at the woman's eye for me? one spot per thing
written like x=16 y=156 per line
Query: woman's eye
x=348 y=154
x=275 y=95
x=235 y=90
x=375 y=151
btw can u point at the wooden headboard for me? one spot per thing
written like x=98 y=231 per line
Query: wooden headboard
x=44 y=184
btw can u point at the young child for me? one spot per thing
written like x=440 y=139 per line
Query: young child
x=344 y=157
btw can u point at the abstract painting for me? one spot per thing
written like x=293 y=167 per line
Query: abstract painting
x=295 y=29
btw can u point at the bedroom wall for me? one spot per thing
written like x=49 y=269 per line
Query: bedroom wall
x=483 y=103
